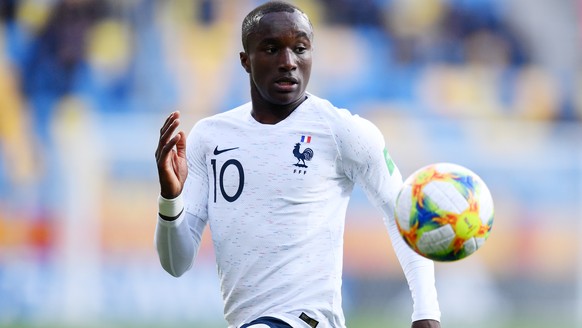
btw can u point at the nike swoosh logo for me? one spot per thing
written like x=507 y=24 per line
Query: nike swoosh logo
x=218 y=152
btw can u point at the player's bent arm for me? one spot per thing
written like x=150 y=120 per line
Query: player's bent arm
x=177 y=240
x=366 y=161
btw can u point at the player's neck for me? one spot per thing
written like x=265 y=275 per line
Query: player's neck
x=268 y=113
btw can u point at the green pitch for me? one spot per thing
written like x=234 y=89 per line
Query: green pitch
x=357 y=321
x=353 y=323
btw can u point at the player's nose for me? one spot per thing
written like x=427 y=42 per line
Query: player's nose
x=287 y=60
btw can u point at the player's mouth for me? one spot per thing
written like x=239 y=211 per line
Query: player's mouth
x=286 y=84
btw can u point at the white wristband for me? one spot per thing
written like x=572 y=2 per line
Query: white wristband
x=170 y=207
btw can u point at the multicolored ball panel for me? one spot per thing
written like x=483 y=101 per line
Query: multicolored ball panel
x=444 y=212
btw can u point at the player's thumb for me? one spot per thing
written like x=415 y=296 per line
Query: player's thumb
x=181 y=144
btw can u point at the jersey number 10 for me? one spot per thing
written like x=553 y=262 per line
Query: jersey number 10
x=241 y=179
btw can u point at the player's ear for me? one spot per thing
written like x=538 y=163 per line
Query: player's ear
x=244 y=61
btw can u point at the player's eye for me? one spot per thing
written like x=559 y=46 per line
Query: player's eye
x=271 y=50
x=300 y=49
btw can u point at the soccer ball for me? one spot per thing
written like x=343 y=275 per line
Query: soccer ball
x=444 y=212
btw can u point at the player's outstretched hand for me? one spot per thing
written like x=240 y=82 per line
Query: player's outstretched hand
x=171 y=158
x=426 y=324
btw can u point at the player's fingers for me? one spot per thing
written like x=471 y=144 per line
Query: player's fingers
x=167 y=135
x=173 y=116
x=169 y=146
x=165 y=144
x=163 y=160
x=167 y=124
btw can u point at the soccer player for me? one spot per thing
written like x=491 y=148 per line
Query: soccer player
x=272 y=179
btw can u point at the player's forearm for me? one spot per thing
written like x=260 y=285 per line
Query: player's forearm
x=176 y=243
x=175 y=246
x=419 y=273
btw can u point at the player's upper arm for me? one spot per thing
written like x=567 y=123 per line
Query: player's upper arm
x=366 y=160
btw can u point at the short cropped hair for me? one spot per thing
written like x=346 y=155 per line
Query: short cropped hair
x=250 y=23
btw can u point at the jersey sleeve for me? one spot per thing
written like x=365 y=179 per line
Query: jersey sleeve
x=177 y=242
x=367 y=162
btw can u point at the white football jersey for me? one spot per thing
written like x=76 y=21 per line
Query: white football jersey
x=275 y=199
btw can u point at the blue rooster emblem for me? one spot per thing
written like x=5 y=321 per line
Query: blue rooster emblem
x=302 y=156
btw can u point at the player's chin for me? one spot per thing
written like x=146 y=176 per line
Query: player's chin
x=286 y=98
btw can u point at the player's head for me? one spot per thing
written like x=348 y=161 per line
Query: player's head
x=251 y=22
x=277 y=39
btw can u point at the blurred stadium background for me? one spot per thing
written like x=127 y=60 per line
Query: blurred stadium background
x=495 y=85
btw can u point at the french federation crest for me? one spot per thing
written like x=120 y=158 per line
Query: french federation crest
x=302 y=155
